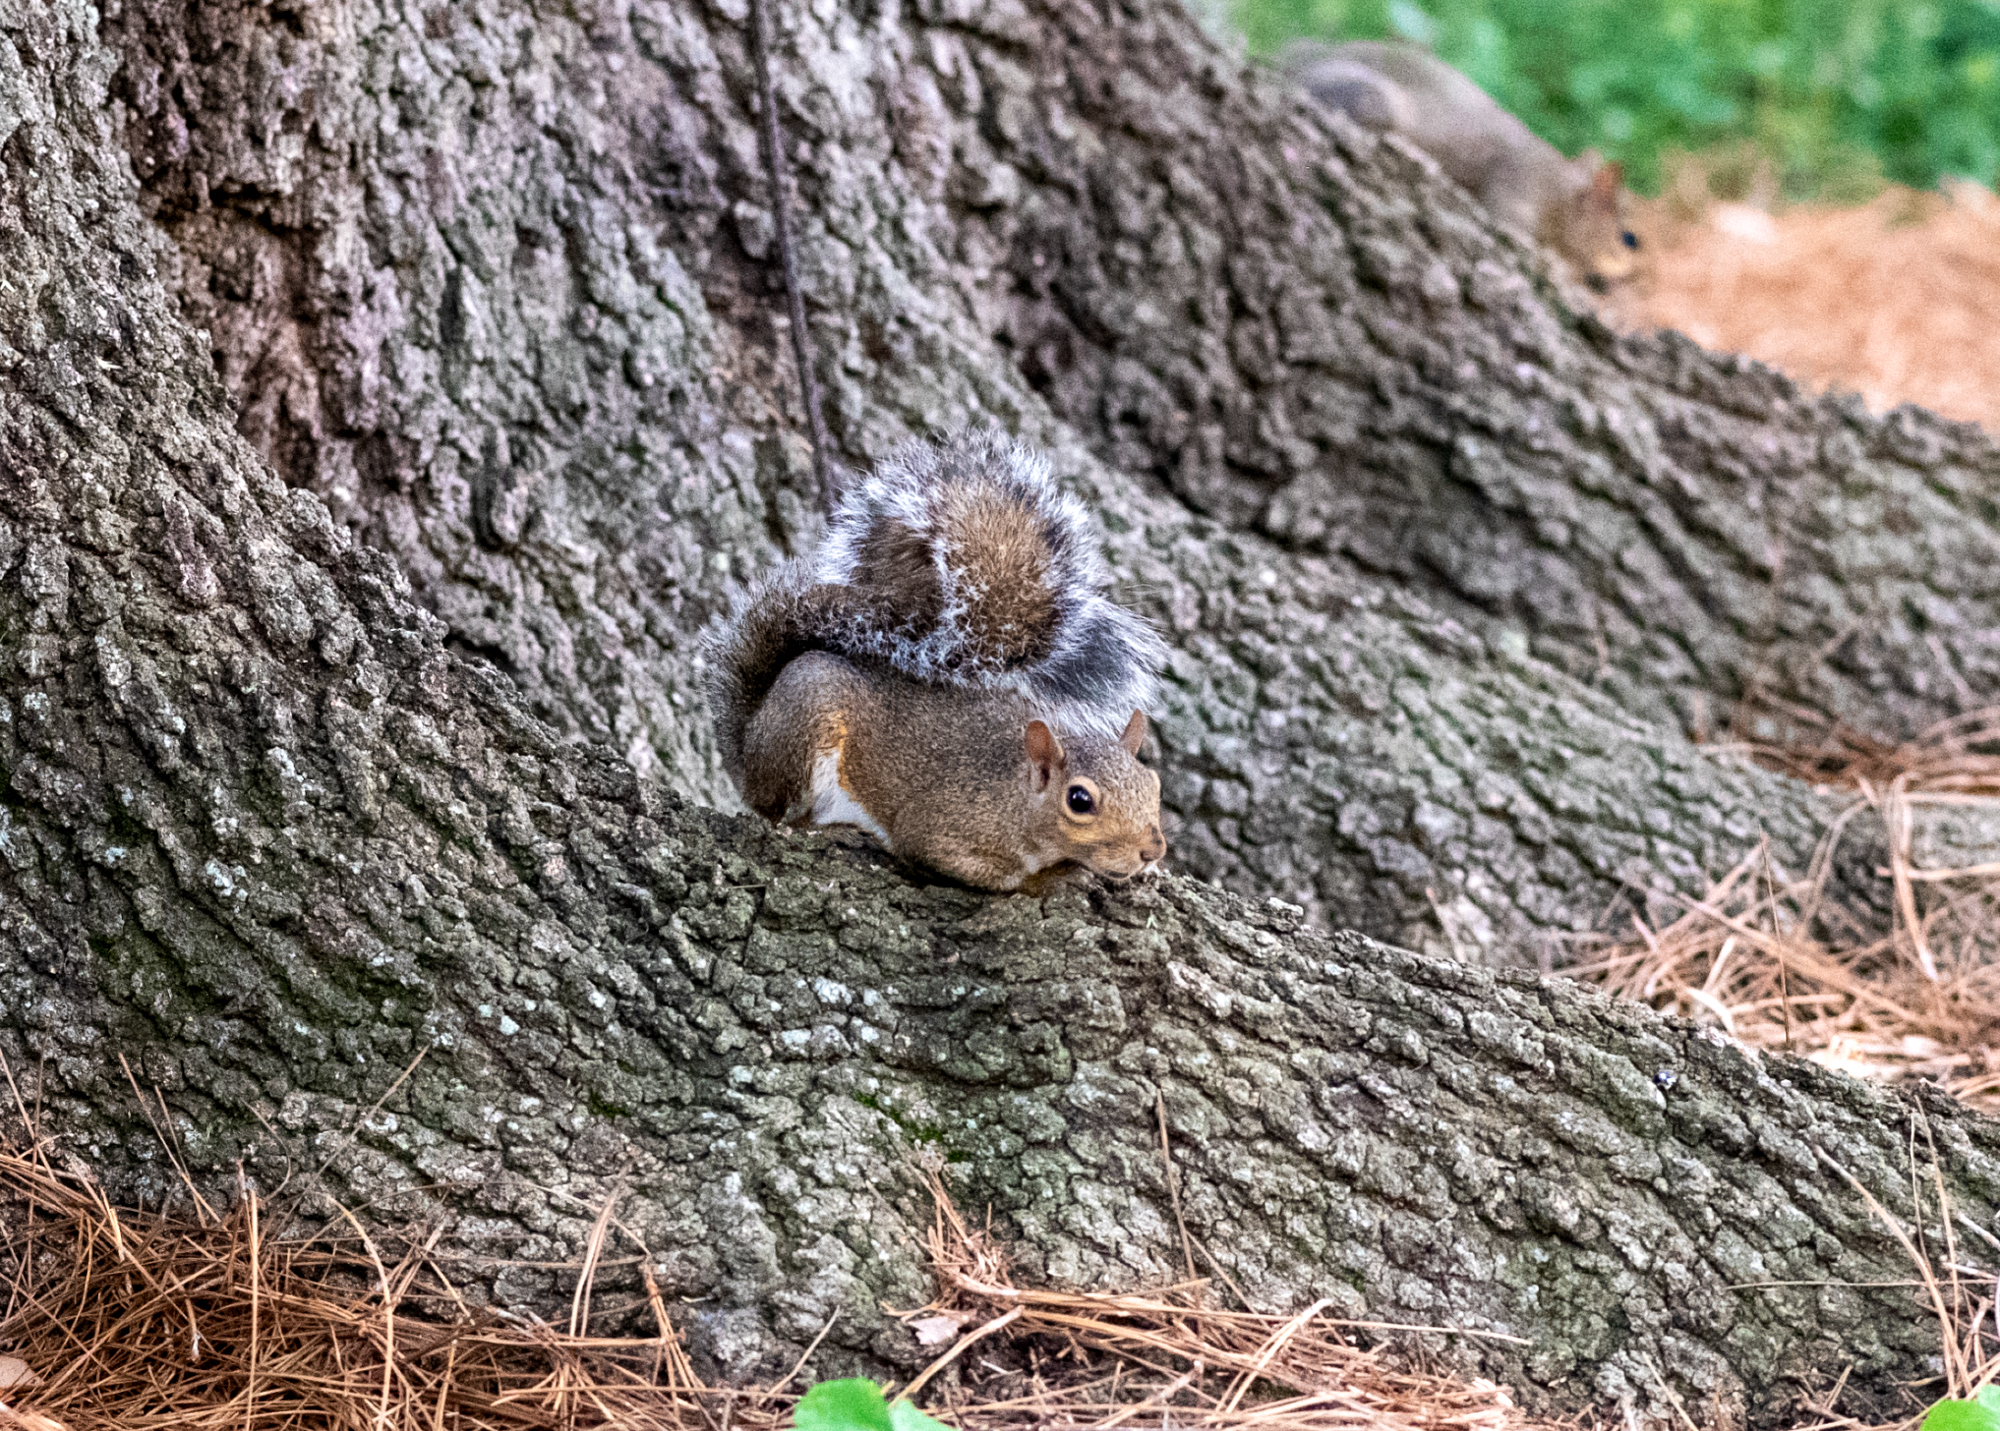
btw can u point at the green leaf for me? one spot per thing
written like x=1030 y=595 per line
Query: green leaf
x=855 y=1404
x=905 y=1417
x=1982 y=1414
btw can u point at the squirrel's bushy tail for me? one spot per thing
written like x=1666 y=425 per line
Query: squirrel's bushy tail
x=968 y=566
x=959 y=563
x=787 y=615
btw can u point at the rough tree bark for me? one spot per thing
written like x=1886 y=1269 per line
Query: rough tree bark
x=293 y=792
x=494 y=282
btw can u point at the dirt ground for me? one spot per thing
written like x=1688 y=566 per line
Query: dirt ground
x=1898 y=299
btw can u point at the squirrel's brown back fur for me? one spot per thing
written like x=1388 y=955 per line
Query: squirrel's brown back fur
x=948 y=778
x=1575 y=206
x=782 y=622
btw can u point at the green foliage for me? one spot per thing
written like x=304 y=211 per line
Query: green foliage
x=1980 y=1414
x=857 y=1404
x=1829 y=92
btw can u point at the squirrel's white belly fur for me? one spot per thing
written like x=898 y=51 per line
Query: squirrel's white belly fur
x=832 y=805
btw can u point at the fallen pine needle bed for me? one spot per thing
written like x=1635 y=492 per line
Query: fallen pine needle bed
x=1767 y=958
x=202 y=1322
x=1175 y=1348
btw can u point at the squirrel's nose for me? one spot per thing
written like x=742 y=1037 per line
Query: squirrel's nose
x=1155 y=846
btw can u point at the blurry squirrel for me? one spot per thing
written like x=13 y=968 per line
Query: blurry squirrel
x=1575 y=206
x=947 y=673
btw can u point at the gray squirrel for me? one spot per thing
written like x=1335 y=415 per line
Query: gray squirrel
x=947 y=674
x=1575 y=206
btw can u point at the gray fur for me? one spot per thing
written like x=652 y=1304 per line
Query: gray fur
x=1102 y=663
x=1390 y=85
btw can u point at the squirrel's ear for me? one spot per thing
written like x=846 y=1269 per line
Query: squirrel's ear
x=1045 y=753
x=1135 y=733
x=1608 y=179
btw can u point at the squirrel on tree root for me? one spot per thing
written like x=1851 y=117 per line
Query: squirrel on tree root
x=1575 y=206
x=947 y=673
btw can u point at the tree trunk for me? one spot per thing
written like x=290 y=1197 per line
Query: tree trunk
x=292 y=799
x=497 y=284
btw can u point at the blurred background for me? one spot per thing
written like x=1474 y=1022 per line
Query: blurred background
x=1816 y=176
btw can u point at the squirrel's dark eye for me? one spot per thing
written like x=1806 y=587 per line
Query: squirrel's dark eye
x=1629 y=239
x=1080 y=802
